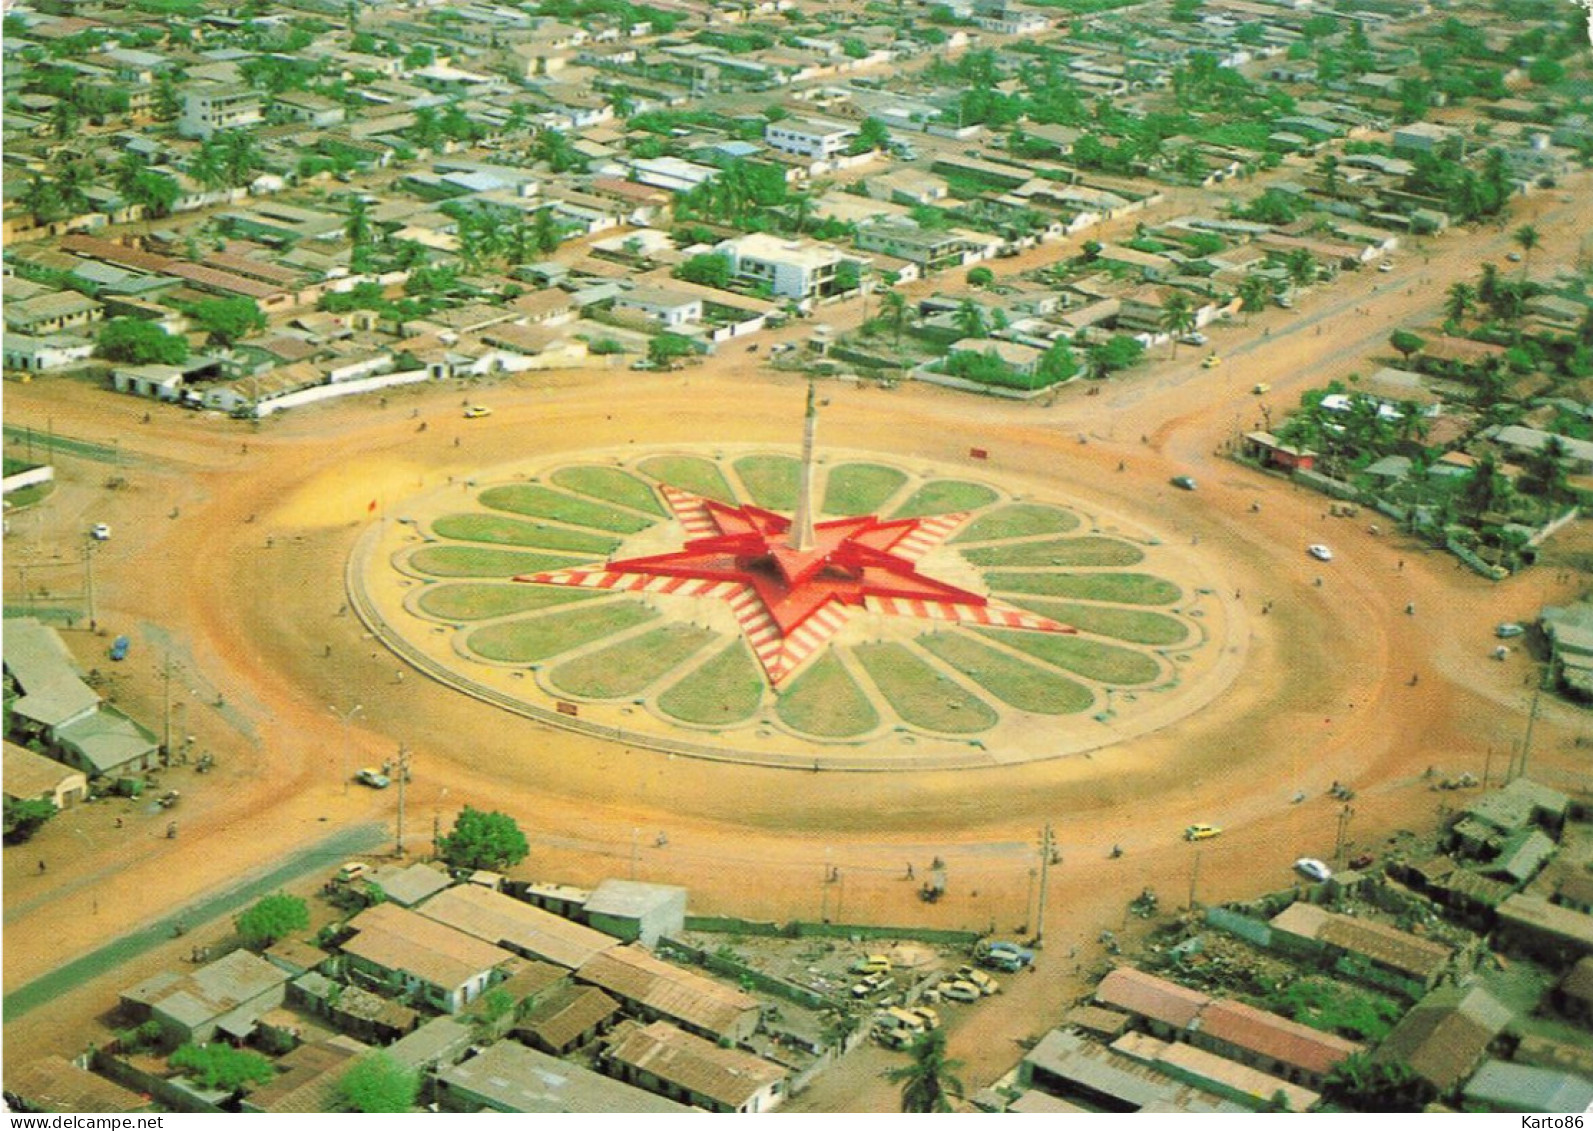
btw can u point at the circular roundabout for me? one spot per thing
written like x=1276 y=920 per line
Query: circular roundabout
x=860 y=612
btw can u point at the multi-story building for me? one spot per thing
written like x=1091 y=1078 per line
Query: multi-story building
x=208 y=110
x=809 y=138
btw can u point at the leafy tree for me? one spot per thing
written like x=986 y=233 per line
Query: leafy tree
x=157 y=192
x=1178 y=317
x=1254 y=291
x=1546 y=72
x=1460 y=299
x=1406 y=342
x=871 y=134
x=140 y=343
x=221 y=1067
x=1360 y=1084
x=1271 y=207
x=665 y=348
x=848 y=276
x=1527 y=238
x=273 y=918
x=929 y=1083
x=545 y=230
x=488 y=840
x=709 y=270
x=1118 y=352
x=1056 y=364
x=25 y=816
x=378 y=1083
x=894 y=308
x=981 y=277
x=228 y=319
x=970 y=320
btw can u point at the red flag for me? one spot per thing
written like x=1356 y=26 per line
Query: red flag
x=372 y=507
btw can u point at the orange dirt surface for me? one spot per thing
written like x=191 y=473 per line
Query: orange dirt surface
x=231 y=542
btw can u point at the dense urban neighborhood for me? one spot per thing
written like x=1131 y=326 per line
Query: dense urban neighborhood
x=471 y=342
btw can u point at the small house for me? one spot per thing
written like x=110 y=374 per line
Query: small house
x=635 y=911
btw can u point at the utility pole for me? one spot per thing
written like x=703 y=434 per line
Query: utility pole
x=88 y=578
x=1532 y=717
x=165 y=671
x=1194 y=883
x=1045 y=875
x=636 y=842
x=403 y=780
x=1344 y=827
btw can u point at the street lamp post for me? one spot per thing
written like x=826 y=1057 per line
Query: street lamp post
x=345 y=718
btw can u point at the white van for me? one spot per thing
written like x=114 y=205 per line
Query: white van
x=897 y=1028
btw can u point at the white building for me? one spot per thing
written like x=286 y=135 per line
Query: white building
x=793 y=269
x=208 y=110
x=670 y=309
x=809 y=138
x=40 y=355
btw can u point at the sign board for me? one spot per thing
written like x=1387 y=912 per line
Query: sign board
x=568 y=708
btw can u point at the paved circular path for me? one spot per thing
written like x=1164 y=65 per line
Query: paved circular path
x=1155 y=641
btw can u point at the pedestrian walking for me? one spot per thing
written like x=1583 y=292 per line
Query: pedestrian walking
x=41 y=867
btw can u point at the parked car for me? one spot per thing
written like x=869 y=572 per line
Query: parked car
x=872 y=964
x=1313 y=869
x=1508 y=630
x=928 y=1016
x=958 y=990
x=1007 y=956
x=477 y=411
x=1202 y=832
x=1195 y=339
x=1320 y=552
x=1513 y=256
x=353 y=870
x=873 y=984
x=1385 y=267
x=373 y=778
x=119 y=648
x=1184 y=482
x=1211 y=361
x=1260 y=387
x=987 y=985
x=101 y=532
x=1364 y=860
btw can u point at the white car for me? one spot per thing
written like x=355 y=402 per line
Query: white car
x=1385 y=267
x=959 y=990
x=101 y=532
x=1320 y=552
x=1313 y=869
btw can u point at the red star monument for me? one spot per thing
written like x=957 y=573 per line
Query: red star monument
x=792 y=583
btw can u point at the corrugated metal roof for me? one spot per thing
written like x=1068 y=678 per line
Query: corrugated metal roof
x=525 y=929
x=632 y=974
x=725 y=1076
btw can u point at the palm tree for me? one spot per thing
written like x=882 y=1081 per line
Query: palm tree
x=1488 y=284
x=1178 y=317
x=1527 y=237
x=1461 y=296
x=1254 y=290
x=1329 y=168
x=894 y=307
x=1301 y=267
x=970 y=320
x=928 y=1083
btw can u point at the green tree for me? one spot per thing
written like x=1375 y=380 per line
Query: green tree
x=25 y=816
x=140 y=343
x=1056 y=364
x=871 y=134
x=970 y=320
x=1271 y=207
x=929 y=1083
x=1527 y=239
x=271 y=919
x=981 y=277
x=1118 y=352
x=894 y=309
x=155 y=191
x=1459 y=302
x=1360 y=1084
x=1178 y=317
x=666 y=348
x=228 y=320
x=1406 y=342
x=378 y=1083
x=709 y=270
x=222 y=1067
x=1254 y=291
x=487 y=840
x=848 y=276
x=545 y=230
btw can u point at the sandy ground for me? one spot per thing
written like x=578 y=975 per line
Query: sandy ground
x=231 y=542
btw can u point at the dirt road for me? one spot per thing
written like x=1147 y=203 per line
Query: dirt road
x=230 y=544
